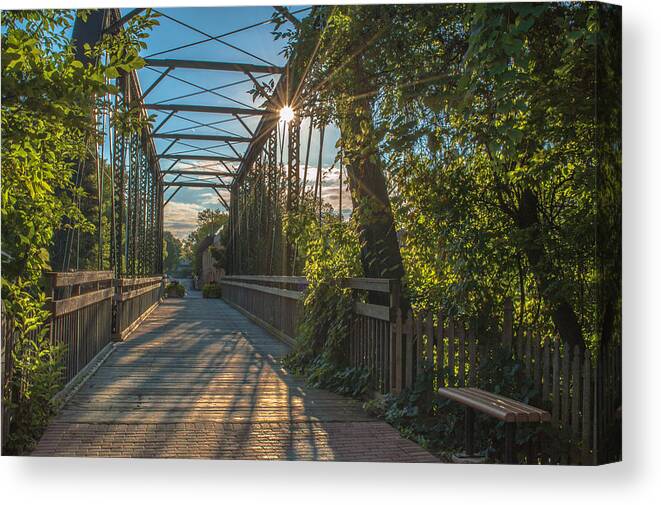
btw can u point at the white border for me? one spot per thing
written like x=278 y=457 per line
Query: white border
x=636 y=480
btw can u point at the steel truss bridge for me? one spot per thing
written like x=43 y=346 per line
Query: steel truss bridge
x=256 y=177
x=194 y=377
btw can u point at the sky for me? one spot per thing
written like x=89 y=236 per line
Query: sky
x=230 y=89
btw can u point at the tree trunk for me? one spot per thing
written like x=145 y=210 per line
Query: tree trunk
x=380 y=254
x=562 y=313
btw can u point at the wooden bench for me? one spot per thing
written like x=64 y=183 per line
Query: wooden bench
x=504 y=409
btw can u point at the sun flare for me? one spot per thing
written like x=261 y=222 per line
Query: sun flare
x=286 y=114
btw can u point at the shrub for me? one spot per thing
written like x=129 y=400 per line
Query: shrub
x=212 y=290
x=37 y=376
x=175 y=290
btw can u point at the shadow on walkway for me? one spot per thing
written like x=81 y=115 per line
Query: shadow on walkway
x=200 y=380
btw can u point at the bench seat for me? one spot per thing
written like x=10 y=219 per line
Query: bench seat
x=502 y=408
x=511 y=412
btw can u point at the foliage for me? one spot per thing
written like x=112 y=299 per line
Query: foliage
x=219 y=255
x=503 y=166
x=48 y=98
x=209 y=222
x=171 y=252
x=484 y=118
x=331 y=253
x=32 y=370
x=175 y=290
x=212 y=290
x=35 y=377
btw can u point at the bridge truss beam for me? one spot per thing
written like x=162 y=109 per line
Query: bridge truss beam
x=214 y=65
x=127 y=193
x=268 y=189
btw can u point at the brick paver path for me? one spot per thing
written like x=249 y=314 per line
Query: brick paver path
x=199 y=380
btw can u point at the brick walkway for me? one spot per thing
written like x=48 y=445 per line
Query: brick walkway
x=199 y=380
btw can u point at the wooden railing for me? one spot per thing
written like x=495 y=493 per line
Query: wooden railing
x=81 y=316
x=371 y=338
x=135 y=298
x=582 y=392
x=272 y=302
x=87 y=312
x=81 y=306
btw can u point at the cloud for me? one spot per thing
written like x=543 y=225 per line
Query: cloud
x=330 y=187
x=181 y=218
x=208 y=198
x=211 y=198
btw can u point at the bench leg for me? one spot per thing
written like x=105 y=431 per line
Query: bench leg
x=469 y=431
x=510 y=433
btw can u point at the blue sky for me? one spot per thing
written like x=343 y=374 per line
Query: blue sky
x=180 y=213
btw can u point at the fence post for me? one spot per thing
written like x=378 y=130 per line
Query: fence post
x=117 y=310
x=51 y=290
x=508 y=324
x=395 y=336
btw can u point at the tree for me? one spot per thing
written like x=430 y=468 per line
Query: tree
x=48 y=99
x=485 y=120
x=171 y=251
x=209 y=222
x=502 y=161
x=341 y=85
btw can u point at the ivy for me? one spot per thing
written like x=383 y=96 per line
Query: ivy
x=331 y=253
x=48 y=101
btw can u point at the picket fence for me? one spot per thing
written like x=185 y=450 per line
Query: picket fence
x=581 y=390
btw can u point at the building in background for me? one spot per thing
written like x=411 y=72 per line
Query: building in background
x=211 y=259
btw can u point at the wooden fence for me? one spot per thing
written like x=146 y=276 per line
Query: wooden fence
x=582 y=392
x=272 y=302
x=87 y=312
x=81 y=316
x=369 y=344
x=564 y=381
x=135 y=298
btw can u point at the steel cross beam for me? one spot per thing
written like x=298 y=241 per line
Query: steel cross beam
x=192 y=136
x=220 y=197
x=209 y=109
x=197 y=172
x=171 y=196
x=214 y=65
x=195 y=185
x=198 y=157
x=285 y=93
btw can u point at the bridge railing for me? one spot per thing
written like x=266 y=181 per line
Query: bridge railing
x=582 y=393
x=135 y=298
x=372 y=337
x=86 y=308
x=81 y=316
x=274 y=303
x=271 y=301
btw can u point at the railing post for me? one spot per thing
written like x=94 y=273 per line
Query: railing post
x=51 y=289
x=117 y=311
x=163 y=286
x=395 y=336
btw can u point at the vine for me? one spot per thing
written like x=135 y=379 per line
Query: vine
x=331 y=253
x=48 y=100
